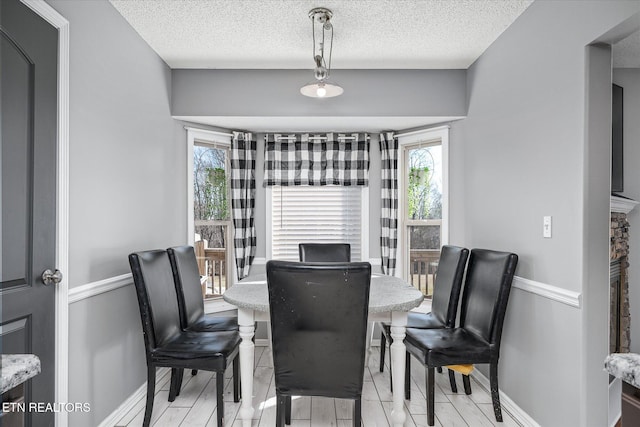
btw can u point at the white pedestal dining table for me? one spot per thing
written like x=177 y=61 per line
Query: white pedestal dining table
x=390 y=299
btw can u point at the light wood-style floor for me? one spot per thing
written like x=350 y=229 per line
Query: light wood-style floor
x=196 y=405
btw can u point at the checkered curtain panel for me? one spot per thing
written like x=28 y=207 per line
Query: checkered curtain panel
x=327 y=159
x=389 y=202
x=243 y=199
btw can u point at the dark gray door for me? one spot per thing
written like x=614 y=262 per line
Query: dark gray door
x=28 y=74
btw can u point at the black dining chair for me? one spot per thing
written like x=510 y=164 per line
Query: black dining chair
x=324 y=252
x=166 y=344
x=477 y=339
x=444 y=306
x=186 y=277
x=314 y=354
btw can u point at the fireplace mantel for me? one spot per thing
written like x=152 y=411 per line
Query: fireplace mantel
x=622 y=204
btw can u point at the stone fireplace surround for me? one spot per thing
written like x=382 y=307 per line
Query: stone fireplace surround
x=620 y=320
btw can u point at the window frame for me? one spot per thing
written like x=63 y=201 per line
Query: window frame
x=406 y=140
x=364 y=223
x=222 y=140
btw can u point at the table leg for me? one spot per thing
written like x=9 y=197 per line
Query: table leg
x=247 y=353
x=398 y=363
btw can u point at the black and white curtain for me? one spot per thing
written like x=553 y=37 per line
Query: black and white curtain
x=243 y=199
x=316 y=159
x=389 y=202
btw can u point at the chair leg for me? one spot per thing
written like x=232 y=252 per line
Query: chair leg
x=452 y=381
x=383 y=349
x=174 y=384
x=236 y=379
x=179 y=381
x=220 y=397
x=151 y=390
x=279 y=410
x=407 y=376
x=430 y=395
x=357 y=412
x=287 y=410
x=495 y=395
x=467 y=384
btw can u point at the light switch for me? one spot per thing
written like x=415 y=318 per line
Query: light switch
x=546 y=227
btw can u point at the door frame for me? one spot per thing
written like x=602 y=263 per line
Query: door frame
x=49 y=14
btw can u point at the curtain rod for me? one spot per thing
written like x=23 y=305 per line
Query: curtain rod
x=316 y=138
x=213 y=132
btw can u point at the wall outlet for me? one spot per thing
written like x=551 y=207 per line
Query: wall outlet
x=546 y=227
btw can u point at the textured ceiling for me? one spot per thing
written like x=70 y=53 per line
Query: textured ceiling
x=391 y=34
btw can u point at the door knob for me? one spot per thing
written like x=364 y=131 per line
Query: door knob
x=51 y=277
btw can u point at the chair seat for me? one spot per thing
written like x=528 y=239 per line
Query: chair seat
x=441 y=347
x=419 y=321
x=214 y=324
x=208 y=351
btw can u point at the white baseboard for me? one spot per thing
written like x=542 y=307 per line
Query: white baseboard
x=507 y=404
x=131 y=401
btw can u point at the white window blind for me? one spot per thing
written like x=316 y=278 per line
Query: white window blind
x=307 y=214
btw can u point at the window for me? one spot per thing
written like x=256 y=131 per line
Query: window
x=317 y=214
x=210 y=224
x=424 y=201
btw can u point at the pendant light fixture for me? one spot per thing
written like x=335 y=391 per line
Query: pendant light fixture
x=323 y=43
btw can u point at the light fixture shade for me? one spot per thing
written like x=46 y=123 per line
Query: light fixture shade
x=321 y=90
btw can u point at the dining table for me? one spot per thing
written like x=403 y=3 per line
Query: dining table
x=390 y=299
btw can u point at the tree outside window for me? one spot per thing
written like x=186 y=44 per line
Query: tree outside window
x=210 y=193
x=424 y=195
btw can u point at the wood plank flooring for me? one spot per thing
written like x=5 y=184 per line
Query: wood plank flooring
x=196 y=405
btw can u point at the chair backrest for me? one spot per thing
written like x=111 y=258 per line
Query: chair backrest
x=186 y=277
x=486 y=293
x=324 y=252
x=156 y=296
x=318 y=327
x=446 y=289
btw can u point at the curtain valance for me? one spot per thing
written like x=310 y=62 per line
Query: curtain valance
x=316 y=159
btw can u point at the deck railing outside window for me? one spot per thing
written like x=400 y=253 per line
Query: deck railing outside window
x=212 y=265
x=423 y=266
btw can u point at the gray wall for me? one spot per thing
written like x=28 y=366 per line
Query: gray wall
x=127 y=193
x=524 y=154
x=276 y=93
x=629 y=79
